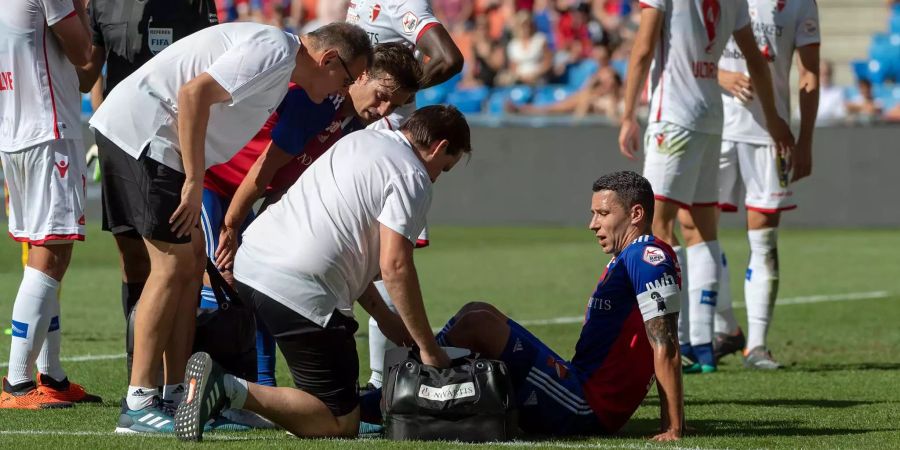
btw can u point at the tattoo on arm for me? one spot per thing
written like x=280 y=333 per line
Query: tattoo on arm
x=663 y=330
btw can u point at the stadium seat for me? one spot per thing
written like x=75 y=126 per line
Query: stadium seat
x=579 y=73
x=86 y=109
x=519 y=95
x=894 y=23
x=620 y=66
x=468 y=100
x=860 y=69
x=437 y=94
x=877 y=71
x=552 y=93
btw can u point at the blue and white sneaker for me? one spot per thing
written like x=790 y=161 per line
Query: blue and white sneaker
x=206 y=397
x=152 y=419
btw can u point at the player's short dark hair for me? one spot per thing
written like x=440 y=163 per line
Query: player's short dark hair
x=437 y=122
x=396 y=61
x=349 y=40
x=631 y=188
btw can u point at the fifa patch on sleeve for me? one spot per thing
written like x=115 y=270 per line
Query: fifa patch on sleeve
x=654 y=255
x=19 y=329
x=409 y=22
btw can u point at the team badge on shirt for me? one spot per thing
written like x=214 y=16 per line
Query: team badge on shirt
x=373 y=14
x=409 y=22
x=654 y=255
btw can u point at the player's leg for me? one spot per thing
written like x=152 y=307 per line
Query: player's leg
x=728 y=338
x=672 y=166
x=703 y=251
x=45 y=210
x=768 y=193
x=549 y=396
x=322 y=360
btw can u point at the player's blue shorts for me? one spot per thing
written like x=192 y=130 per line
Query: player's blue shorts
x=212 y=215
x=547 y=388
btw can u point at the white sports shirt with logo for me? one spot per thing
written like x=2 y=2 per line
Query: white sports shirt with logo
x=253 y=62
x=39 y=98
x=780 y=27
x=684 y=88
x=317 y=249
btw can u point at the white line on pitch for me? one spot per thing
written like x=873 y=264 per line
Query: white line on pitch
x=852 y=296
x=737 y=305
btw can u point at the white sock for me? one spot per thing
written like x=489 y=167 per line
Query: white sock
x=48 y=359
x=30 y=320
x=703 y=273
x=761 y=284
x=236 y=390
x=725 y=321
x=174 y=393
x=378 y=343
x=140 y=397
x=684 y=324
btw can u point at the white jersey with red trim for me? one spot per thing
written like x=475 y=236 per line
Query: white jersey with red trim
x=684 y=86
x=39 y=98
x=780 y=27
x=392 y=20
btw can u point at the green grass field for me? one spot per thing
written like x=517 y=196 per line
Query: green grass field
x=837 y=332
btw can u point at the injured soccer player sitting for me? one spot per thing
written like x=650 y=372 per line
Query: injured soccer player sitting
x=629 y=336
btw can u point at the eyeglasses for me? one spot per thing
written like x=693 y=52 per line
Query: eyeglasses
x=349 y=81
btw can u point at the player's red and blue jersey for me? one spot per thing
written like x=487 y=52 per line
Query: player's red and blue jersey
x=613 y=352
x=612 y=370
x=296 y=122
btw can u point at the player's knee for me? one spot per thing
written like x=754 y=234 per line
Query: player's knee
x=475 y=306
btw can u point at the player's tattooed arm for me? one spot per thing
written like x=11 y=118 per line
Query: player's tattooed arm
x=663 y=335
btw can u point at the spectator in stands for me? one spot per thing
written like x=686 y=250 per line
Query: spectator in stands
x=865 y=107
x=832 y=102
x=530 y=58
x=454 y=14
x=327 y=11
x=601 y=95
x=572 y=40
x=487 y=56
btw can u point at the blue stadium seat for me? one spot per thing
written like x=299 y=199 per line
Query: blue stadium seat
x=877 y=71
x=860 y=69
x=621 y=66
x=468 y=100
x=580 y=72
x=437 y=94
x=519 y=95
x=86 y=108
x=551 y=93
x=894 y=23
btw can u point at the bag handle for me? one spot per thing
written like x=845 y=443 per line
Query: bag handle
x=223 y=291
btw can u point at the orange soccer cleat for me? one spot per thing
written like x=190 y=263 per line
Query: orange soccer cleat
x=27 y=396
x=64 y=391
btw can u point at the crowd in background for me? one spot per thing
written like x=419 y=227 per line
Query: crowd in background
x=573 y=51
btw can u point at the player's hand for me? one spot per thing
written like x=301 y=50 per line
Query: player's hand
x=668 y=435
x=629 y=137
x=737 y=84
x=784 y=141
x=187 y=215
x=227 y=248
x=436 y=358
x=802 y=160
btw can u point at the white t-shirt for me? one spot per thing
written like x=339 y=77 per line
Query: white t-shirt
x=252 y=62
x=317 y=248
x=684 y=87
x=39 y=98
x=780 y=27
x=527 y=55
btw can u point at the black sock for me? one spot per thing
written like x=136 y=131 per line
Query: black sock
x=131 y=292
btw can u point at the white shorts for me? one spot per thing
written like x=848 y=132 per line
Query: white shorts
x=682 y=165
x=46 y=191
x=754 y=172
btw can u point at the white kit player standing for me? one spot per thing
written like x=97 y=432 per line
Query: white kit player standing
x=41 y=41
x=683 y=137
x=751 y=167
x=410 y=22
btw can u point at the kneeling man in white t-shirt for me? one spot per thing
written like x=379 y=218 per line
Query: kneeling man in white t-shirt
x=355 y=212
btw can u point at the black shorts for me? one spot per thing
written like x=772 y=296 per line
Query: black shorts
x=139 y=195
x=323 y=361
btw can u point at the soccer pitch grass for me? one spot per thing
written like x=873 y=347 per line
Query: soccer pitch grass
x=837 y=331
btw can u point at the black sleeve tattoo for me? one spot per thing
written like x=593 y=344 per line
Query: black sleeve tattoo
x=663 y=330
